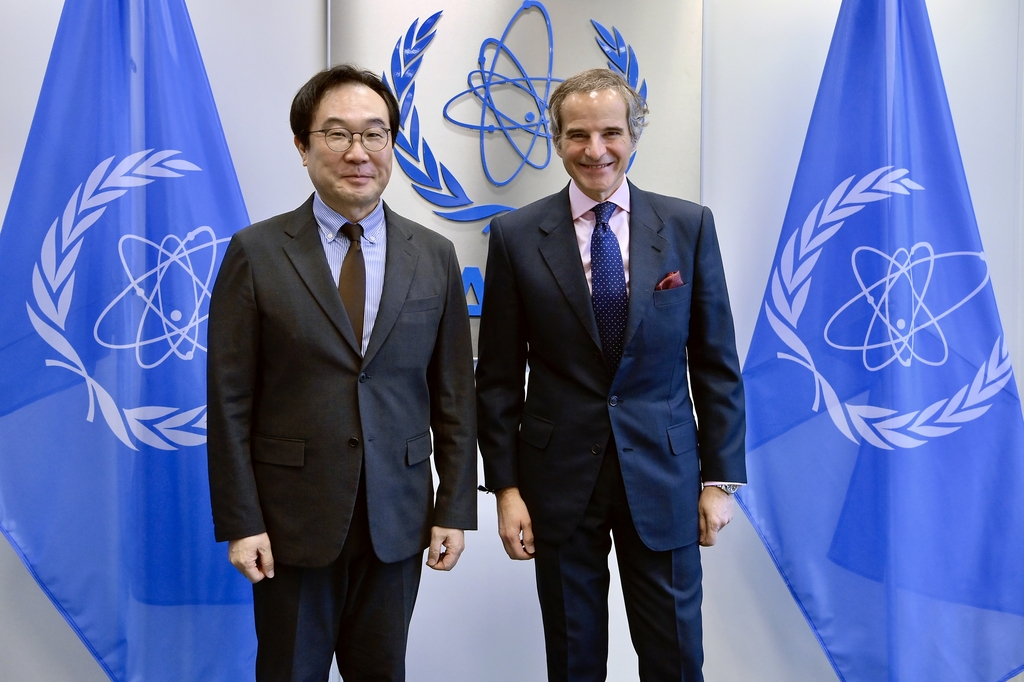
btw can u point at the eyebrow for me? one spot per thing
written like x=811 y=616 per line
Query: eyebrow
x=608 y=129
x=335 y=122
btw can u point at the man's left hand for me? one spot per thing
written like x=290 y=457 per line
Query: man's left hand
x=715 y=513
x=453 y=540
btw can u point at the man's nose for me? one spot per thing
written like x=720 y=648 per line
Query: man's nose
x=356 y=153
x=595 y=147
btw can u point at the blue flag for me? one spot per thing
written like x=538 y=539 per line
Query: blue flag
x=119 y=216
x=885 y=438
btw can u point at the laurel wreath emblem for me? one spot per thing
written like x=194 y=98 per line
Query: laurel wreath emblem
x=414 y=154
x=622 y=59
x=790 y=285
x=431 y=179
x=53 y=286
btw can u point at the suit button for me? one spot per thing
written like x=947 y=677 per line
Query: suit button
x=596 y=449
x=363 y=378
x=353 y=442
x=613 y=401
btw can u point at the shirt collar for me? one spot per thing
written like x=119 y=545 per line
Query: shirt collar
x=330 y=221
x=580 y=203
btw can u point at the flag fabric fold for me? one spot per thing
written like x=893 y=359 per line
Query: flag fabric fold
x=122 y=207
x=885 y=438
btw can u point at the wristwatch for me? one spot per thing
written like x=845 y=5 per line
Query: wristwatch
x=729 y=488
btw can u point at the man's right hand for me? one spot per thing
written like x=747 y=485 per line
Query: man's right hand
x=252 y=557
x=514 y=525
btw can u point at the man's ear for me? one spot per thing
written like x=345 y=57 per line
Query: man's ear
x=558 y=146
x=302 y=149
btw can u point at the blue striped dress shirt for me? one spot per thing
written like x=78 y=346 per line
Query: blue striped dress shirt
x=374 y=243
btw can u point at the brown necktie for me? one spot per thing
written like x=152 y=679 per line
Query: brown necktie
x=352 y=281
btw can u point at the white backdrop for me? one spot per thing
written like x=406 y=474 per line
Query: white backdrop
x=762 y=62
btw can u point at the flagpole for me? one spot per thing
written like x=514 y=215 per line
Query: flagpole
x=1018 y=314
x=891 y=27
x=137 y=104
x=891 y=592
x=137 y=77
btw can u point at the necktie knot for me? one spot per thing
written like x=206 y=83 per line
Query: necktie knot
x=603 y=212
x=354 y=231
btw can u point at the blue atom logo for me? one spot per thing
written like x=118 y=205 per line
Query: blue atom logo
x=171 y=285
x=902 y=325
x=523 y=120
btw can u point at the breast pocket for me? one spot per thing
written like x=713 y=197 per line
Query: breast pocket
x=666 y=323
x=674 y=296
x=417 y=305
x=411 y=341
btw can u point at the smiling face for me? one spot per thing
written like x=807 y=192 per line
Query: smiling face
x=352 y=181
x=594 y=144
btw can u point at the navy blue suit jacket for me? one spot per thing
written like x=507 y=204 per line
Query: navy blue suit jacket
x=537 y=309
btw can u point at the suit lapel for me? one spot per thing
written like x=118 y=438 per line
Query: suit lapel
x=647 y=252
x=399 y=268
x=306 y=253
x=561 y=252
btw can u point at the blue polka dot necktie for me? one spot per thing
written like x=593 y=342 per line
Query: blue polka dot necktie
x=608 y=284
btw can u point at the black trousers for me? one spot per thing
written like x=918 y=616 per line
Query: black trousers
x=357 y=608
x=662 y=593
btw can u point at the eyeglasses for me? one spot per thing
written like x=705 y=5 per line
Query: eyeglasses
x=340 y=139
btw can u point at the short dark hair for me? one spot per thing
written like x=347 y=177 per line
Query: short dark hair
x=309 y=96
x=598 y=79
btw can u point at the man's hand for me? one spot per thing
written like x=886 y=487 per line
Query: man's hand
x=715 y=513
x=252 y=557
x=453 y=540
x=514 y=526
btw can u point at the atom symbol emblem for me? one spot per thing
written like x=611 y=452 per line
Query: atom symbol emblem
x=527 y=133
x=903 y=326
x=171 y=291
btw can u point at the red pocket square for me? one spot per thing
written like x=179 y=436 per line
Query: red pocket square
x=670 y=281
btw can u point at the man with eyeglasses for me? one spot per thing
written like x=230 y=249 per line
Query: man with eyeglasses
x=339 y=360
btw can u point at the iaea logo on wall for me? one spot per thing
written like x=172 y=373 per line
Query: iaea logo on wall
x=524 y=130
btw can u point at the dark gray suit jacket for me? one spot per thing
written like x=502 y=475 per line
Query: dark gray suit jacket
x=295 y=412
x=550 y=443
